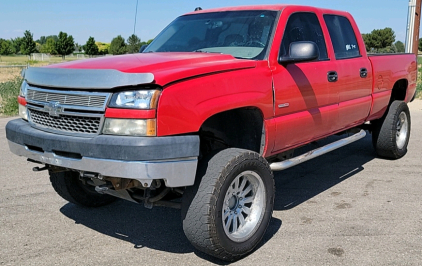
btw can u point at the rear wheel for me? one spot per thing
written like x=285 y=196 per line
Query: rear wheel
x=226 y=213
x=391 y=133
x=68 y=185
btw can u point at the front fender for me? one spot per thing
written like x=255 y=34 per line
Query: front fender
x=184 y=106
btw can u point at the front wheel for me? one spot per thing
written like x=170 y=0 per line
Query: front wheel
x=226 y=213
x=391 y=133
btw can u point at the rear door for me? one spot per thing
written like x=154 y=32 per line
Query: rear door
x=353 y=71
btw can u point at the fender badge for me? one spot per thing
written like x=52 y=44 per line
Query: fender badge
x=283 y=105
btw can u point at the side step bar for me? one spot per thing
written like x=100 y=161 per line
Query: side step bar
x=279 y=166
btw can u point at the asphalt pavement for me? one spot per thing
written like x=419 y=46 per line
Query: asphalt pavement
x=345 y=208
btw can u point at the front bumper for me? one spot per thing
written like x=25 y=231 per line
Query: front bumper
x=173 y=159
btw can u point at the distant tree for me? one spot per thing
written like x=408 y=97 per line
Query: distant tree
x=65 y=44
x=147 y=42
x=400 y=47
x=54 y=37
x=42 y=40
x=28 y=45
x=117 y=46
x=133 y=44
x=103 y=48
x=49 y=47
x=90 y=47
x=6 y=47
x=420 y=44
x=379 y=39
x=16 y=43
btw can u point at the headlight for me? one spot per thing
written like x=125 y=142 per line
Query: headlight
x=24 y=89
x=129 y=127
x=140 y=99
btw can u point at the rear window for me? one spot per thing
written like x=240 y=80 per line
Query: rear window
x=343 y=37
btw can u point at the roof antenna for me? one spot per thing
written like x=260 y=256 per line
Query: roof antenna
x=198 y=9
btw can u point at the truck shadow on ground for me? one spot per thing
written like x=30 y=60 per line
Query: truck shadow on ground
x=304 y=181
x=161 y=228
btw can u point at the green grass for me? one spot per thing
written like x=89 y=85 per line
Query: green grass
x=23 y=60
x=9 y=92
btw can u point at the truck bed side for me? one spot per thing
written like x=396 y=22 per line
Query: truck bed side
x=394 y=78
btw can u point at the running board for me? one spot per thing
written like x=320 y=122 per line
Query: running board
x=279 y=166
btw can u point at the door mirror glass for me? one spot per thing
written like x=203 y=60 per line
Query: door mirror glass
x=300 y=52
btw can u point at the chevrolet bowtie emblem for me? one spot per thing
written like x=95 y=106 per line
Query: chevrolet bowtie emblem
x=53 y=108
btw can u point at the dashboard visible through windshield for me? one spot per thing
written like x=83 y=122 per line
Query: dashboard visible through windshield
x=242 y=34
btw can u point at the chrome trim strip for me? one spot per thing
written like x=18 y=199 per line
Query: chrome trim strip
x=279 y=166
x=66 y=112
x=75 y=93
x=178 y=172
x=69 y=78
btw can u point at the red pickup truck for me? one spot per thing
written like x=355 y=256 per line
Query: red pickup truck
x=201 y=118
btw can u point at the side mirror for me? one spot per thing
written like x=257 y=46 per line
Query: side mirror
x=300 y=52
x=143 y=48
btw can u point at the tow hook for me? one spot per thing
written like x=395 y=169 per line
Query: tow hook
x=37 y=169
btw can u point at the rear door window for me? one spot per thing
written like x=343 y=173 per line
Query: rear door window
x=343 y=37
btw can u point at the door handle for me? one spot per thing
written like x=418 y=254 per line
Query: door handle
x=332 y=76
x=363 y=73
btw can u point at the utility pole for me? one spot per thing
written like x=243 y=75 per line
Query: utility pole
x=417 y=27
x=413 y=24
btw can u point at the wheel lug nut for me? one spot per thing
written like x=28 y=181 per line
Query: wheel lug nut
x=240 y=206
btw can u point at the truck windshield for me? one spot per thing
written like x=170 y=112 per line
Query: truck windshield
x=242 y=34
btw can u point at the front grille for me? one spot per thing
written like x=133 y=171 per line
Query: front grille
x=80 y=99
x=65 y=123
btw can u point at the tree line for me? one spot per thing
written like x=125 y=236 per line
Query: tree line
x=64 y=44
x=378 y=41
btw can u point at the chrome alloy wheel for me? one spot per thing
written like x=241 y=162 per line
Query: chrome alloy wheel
x=402 y=130
x=244 y=206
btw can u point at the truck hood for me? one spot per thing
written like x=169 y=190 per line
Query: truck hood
x=157 y=68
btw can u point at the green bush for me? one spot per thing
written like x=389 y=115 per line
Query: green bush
x=9 y=92
x=419 y=90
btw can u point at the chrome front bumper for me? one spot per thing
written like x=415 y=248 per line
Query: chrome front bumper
x=175 y=172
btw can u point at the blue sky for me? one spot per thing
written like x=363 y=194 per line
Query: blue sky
x=105 y=19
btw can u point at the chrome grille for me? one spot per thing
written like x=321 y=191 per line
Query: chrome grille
x=65 y=123
x=79 y=99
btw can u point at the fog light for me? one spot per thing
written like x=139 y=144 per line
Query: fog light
x=23 y=112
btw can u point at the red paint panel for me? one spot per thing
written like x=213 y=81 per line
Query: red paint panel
x=354 y=111
x=129 y=113
x=21 y=100
x=303 y=127
x=166 y=67
x=270 y=137
x=379 y=105
x=184 y=106
x=389 y=69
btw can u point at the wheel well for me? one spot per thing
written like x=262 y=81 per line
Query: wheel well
x=399 y=91
x=239 y=128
